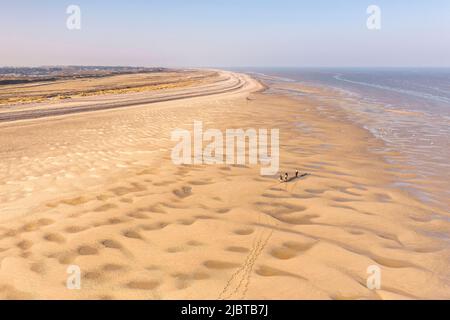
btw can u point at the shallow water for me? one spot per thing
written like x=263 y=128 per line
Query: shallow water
x=409 y=109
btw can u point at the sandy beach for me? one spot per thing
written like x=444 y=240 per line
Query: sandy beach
x=99 y=190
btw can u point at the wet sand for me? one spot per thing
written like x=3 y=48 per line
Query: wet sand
x=99 y=190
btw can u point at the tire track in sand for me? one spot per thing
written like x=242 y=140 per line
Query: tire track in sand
x=237 y=285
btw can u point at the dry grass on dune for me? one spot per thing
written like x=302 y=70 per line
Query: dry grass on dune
x=115 y=84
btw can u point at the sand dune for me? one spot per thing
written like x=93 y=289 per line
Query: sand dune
x=115 y=94
x=99 y=190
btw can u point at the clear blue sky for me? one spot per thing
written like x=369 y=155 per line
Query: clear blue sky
x=226 y=33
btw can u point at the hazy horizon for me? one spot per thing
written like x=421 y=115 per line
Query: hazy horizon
x=230 y=34
x=231 y=67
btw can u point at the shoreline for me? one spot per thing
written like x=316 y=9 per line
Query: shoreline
x=107 y=198
x=426 y=166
